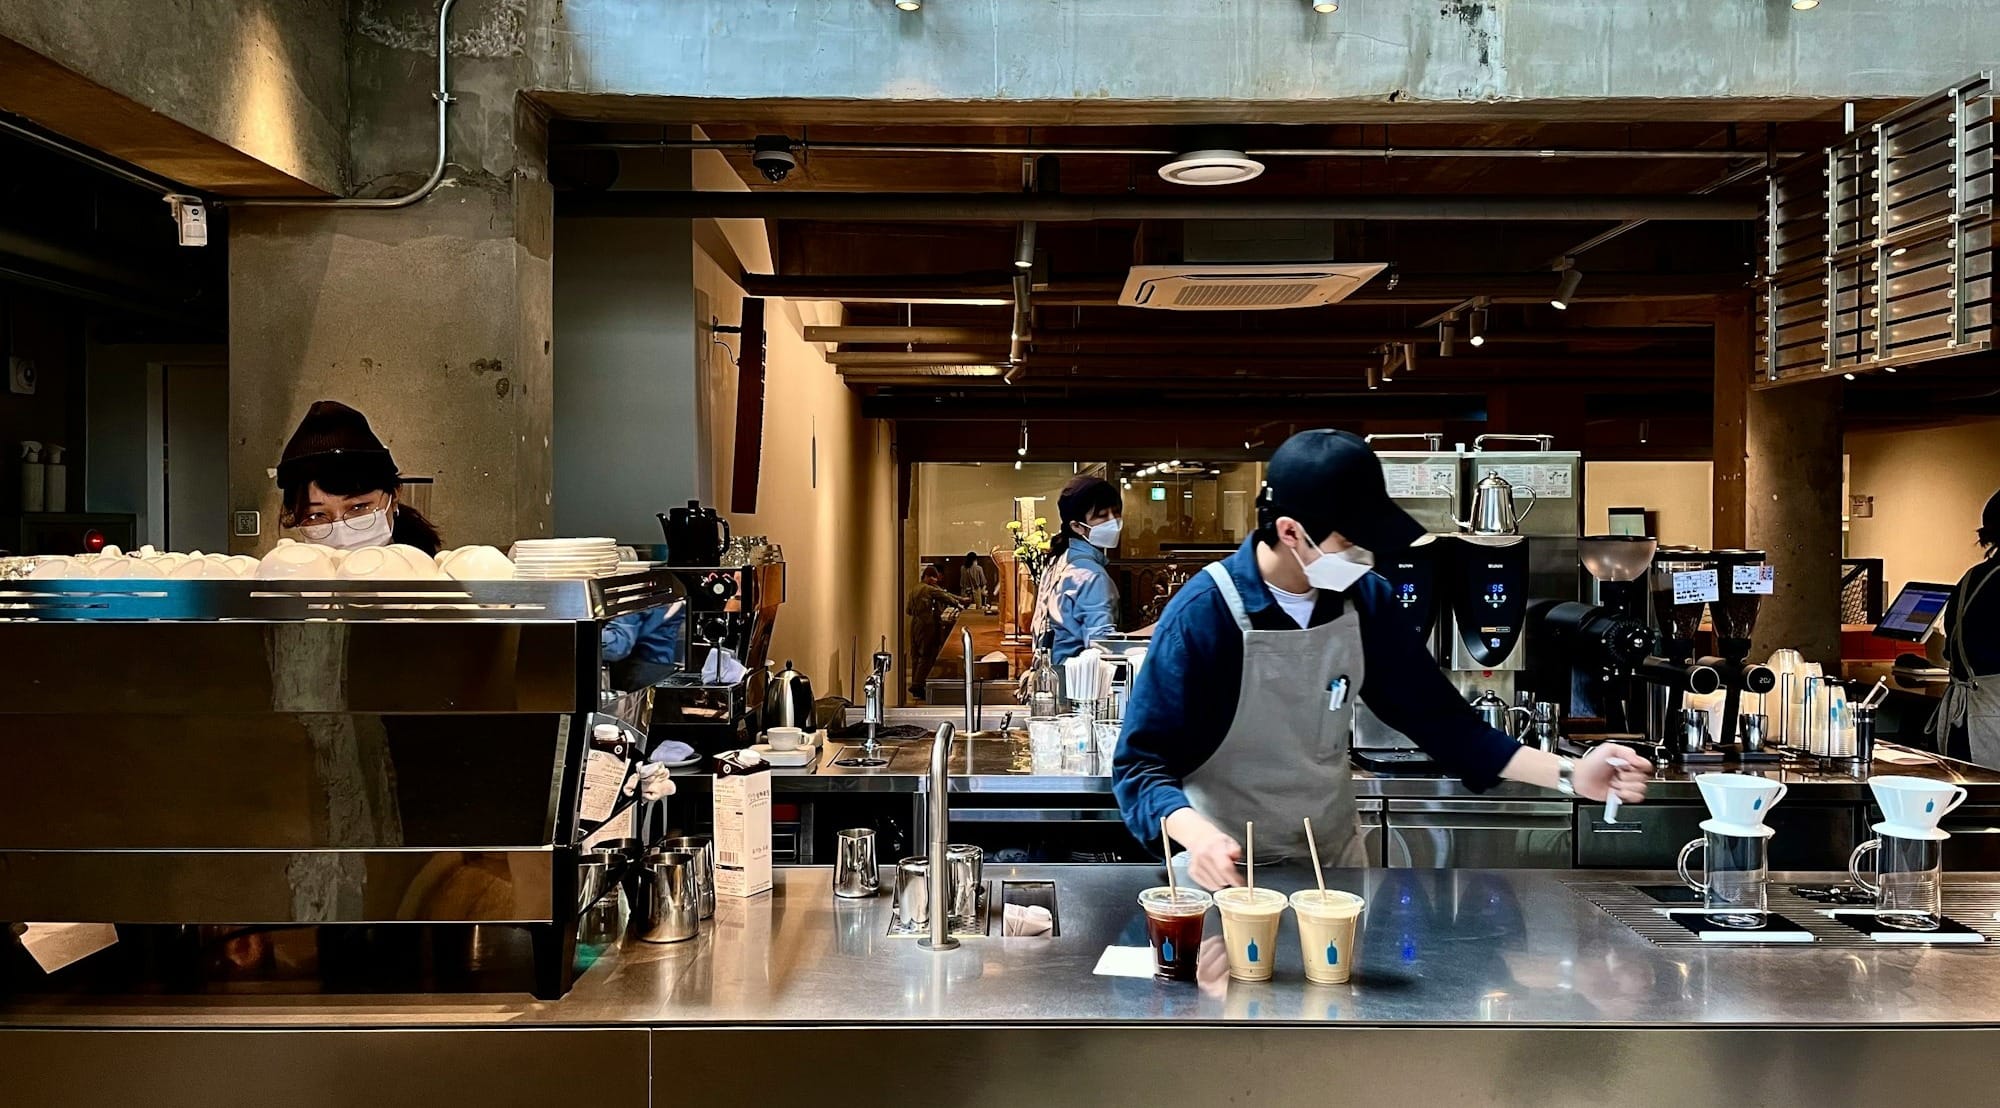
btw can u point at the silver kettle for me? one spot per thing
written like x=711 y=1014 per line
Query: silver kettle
x=788 y=700
x=1498 y=714
x=1493 y=508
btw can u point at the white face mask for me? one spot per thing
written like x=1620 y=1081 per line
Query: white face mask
x=1104 y=536
x=373 y=529
x=1335 y=572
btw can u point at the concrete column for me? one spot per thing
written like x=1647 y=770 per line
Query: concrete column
x=1792 y=499
x=434 y=319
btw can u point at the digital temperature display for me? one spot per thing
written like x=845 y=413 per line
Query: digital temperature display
x=1406 y=594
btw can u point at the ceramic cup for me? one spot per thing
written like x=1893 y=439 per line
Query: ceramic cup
x=785 y=738
x=1739 y=799
x=1915 y=802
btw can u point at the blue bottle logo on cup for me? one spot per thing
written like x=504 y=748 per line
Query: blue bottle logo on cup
x=1332 y=954
x=1251 y=952
x=1166 y=950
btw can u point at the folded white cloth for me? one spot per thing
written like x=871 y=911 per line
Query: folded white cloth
x=722 y=668
x=1026 y=921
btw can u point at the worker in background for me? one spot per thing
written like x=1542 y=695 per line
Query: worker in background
x=1967 y=724
x=972 y=581
x=1077 y=601
x=932 y=612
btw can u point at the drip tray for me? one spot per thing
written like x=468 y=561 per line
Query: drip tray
x=1776 y=929
x=1865 y=922
x=1670 y=914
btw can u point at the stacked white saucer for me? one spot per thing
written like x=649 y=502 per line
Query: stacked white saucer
x=1912 y=807
x=562 y=559
x=1738 y=802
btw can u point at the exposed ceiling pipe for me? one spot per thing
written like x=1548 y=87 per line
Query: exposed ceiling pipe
x=995 y=289
x=1011 y=207
x=1602 y=237
x=1705 y=153
x=442 y=94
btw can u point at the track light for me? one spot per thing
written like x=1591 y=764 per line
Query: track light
x=1024 y=245
x=1017 y=465
x=1566 y=288
x=1447 y=338
x=1022 y=450
x=1375 y=375
x=1475 y=327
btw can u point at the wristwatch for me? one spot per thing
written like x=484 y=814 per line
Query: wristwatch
x=1565 y=776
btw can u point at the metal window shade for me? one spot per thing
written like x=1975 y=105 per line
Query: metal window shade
x=1882 y=254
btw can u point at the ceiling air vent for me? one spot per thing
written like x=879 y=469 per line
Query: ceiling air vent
x=1235 y=288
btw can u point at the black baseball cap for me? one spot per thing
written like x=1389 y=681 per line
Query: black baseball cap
x=1332 y=481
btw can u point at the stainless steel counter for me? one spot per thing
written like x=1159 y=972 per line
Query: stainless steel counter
x=1439 y=948
x=1489 y=988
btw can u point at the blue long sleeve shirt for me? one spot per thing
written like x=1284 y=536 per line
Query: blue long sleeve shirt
x=1079 y=604
x=1185 y=698
x=652 y=635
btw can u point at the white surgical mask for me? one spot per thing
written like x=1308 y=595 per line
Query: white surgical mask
x=1104 y=536
x=373 y=529
x=1336 y=572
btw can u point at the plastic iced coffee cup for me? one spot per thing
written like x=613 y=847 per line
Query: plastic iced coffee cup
x=1327 y=925
x=1250 y=930
x=1173 y=929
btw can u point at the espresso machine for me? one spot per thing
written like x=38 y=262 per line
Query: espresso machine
x=1413 y=580
x=1484 y=590
x=711 y=701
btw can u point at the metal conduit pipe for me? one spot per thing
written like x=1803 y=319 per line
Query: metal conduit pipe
x=442 y=94
x=1037 y=149
x=1012 y=207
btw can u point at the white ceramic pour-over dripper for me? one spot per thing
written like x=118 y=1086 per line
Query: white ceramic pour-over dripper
x=1739 y=800
x=1915 y=803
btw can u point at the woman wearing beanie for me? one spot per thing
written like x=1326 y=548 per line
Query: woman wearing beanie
x=1967 y=724
x=1077 y=600
x=340 y=484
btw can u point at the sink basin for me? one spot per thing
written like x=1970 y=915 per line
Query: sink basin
x=987 y=752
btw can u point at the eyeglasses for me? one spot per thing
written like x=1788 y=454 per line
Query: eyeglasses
x=320 y=525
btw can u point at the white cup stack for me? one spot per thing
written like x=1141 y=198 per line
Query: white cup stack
x=1912 y=807
x=1738 y=802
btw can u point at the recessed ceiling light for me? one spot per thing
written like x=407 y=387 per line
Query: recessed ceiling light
x=909 y=5
x=1212 y=167
x=1325 y=7
x=1804 y=5
x=1848 y=376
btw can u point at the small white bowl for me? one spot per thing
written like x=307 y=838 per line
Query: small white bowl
x=478 y=563
x=124 y=568
x=295 y=562
x=53 y=569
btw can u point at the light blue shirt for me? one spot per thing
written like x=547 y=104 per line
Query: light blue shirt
x=1078 y=602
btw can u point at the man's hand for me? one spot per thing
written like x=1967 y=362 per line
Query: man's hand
x=1597 y=777
x=1212 y=853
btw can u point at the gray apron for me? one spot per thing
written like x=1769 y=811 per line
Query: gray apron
x=1285 y=756
x=1972 y=701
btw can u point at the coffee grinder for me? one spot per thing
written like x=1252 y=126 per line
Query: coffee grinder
x=1586 y=654
x=1743 y=579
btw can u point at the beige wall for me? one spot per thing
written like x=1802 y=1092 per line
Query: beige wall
x=1929 y=487
x=838 y=532
x=1679 y=492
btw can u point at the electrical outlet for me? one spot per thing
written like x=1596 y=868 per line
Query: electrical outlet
x=21 y=376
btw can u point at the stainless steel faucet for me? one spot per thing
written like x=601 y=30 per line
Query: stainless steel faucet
x=973 y=711
x=939 y=877
x=873 y=695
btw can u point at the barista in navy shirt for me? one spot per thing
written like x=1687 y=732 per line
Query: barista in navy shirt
x=1244 y=707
